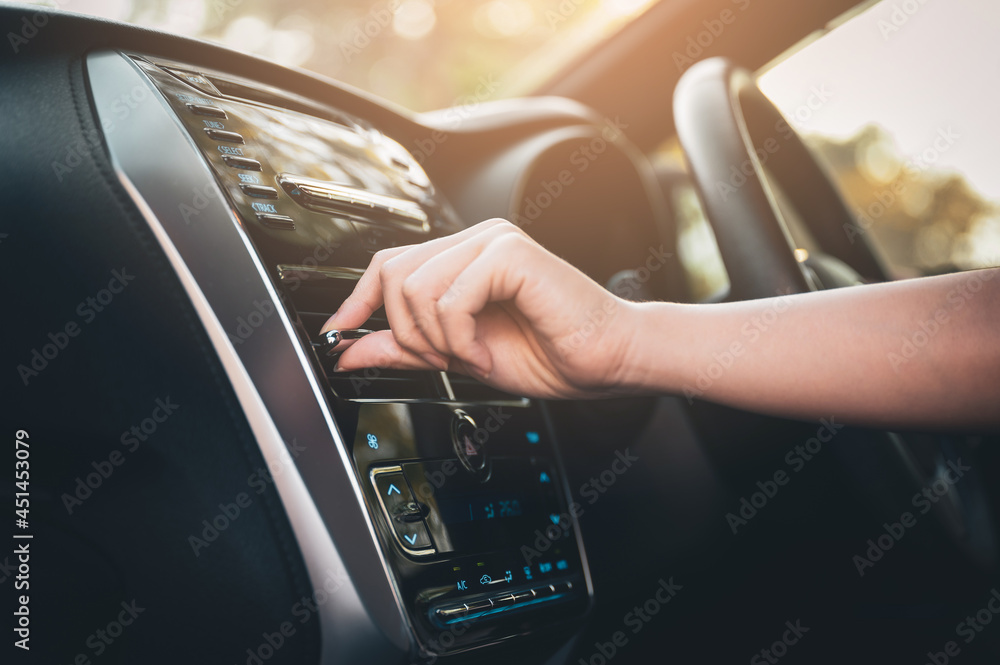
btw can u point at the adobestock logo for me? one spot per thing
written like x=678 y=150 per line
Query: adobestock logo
x=923 y=500
x=85 y=486
x=636 y=620
x=796 y=459
x=699 y=42
x=886 y=198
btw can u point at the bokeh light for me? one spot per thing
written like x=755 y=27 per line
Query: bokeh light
x=414 y=19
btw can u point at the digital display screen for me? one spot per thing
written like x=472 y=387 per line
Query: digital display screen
x=473 y=507
x=467 y=515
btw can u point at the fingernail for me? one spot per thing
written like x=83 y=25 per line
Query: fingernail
x=327 y=326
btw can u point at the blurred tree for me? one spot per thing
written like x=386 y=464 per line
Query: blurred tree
x=924 y=220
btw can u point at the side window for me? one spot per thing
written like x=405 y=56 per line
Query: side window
x=895 y=102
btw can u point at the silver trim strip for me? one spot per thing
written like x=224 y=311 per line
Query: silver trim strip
x=363 y=620
x=303 y=273
x=446 y=382
x=331 y=197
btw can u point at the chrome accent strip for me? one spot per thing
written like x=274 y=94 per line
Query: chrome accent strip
x=363 y=620
x=331 y=197
x=446 y=382
x=522 y=403
x=290 y=271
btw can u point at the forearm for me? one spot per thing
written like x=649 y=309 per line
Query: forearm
x=915 y=353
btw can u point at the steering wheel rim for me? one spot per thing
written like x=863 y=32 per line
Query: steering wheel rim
x=718 y=112
x=720 y=116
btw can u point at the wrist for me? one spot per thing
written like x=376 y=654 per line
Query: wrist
x=656 y=340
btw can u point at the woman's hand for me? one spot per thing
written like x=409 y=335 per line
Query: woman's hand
x=492 y=303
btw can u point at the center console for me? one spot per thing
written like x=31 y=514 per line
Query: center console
x=461 y=486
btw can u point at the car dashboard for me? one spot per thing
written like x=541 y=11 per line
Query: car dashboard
x=431 y=512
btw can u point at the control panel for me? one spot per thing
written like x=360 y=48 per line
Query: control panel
x=463 y=484
x=471 y=503
x=301 y=180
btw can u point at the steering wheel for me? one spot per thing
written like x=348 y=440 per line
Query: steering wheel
x=729 y=132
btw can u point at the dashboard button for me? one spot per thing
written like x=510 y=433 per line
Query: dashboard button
x=393 y=492
x=207 y=109
x=280 y=222
x=543 y=591
x=259 y=191
x=506 y=600
x=413 y=535
x=478 y=606
x=471 y=453
x=397 y=503
x=223 y=135
x=194 y=79
x=241 y=162
x=523 y=596
x=451 y=613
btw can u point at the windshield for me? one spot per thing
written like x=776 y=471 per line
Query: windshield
x=897 y=102
x=421 y=54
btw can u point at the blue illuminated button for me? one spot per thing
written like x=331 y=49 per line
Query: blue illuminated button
x=555 y=518
x=485 y=579
x=532 y=437
x=392 y=488
x=561 y=564
x=372 y=441
x=527 y=572
x=461 y=585
x=402 y=512
x=413 y=535
x=544 y=478
x=545 y=567
x=508 y=576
